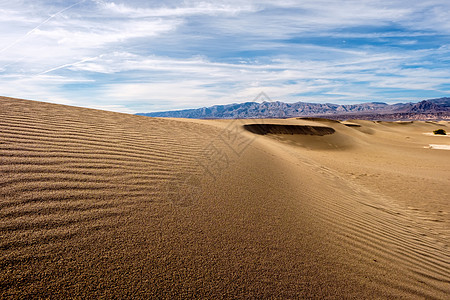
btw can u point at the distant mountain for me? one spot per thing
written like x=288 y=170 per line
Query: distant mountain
x=434 y=109
x=279 y=109
x=428 y=106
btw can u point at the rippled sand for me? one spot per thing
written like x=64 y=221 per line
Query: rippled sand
x=102 y=204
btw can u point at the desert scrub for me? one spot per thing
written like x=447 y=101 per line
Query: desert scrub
x=440 y=131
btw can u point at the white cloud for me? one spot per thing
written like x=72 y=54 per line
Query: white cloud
x=199 y=82
x=101 y=35
x=187 y=9
x=142 y=55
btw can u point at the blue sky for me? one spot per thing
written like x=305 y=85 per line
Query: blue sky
x=143 y=56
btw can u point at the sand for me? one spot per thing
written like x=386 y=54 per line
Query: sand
x=102 y=204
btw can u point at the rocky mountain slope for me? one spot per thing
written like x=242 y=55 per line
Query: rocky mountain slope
x=279 y=109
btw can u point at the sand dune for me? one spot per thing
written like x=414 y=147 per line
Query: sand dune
x=102 y=204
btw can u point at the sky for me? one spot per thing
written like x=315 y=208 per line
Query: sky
x=145 y=56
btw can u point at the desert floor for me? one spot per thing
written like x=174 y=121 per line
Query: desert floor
x=102 y=204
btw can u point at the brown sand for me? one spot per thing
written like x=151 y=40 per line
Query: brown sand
x=102 y=204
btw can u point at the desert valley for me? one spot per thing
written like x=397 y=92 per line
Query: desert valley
x=102 y=204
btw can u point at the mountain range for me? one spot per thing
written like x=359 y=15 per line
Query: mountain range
x=426 y=109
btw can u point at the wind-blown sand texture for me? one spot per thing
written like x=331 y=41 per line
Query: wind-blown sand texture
x=101 y=204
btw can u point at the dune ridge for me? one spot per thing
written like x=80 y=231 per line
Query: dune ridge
x=102 y=204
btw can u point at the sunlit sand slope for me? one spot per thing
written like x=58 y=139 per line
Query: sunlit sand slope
x=101 y=204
